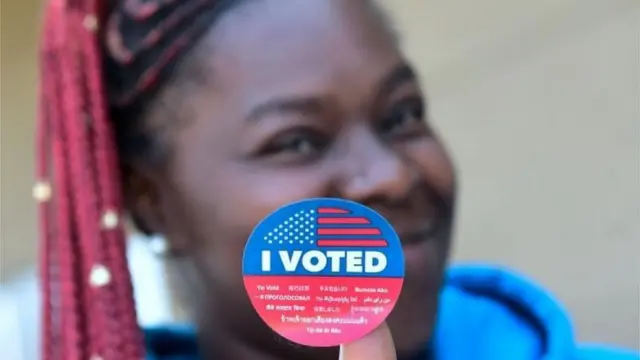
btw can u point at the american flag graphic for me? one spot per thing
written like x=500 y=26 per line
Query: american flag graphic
x=327 y=227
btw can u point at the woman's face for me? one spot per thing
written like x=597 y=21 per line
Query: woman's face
x=286 y=102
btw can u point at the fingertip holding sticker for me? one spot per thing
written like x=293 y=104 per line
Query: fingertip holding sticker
x=323 y=272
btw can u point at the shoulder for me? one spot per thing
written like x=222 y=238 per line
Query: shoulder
x=598 y=352
x=500 y=313
x=171 y=342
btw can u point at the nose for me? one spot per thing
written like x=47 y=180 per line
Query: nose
x=373 y=172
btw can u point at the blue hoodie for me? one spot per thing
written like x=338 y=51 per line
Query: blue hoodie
x=487 y=313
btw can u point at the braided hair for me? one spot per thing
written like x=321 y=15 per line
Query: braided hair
x=101 y=63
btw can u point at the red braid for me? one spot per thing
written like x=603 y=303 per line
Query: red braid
x=84 y=263
x=88 y=305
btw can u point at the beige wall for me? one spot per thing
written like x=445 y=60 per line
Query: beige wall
x=19 y=35
x=539 y=103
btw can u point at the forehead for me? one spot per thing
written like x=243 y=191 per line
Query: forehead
x=299 y=43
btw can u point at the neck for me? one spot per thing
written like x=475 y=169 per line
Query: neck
x=224 y=344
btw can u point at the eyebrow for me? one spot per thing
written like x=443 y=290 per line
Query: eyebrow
x=305 y=105
x=400 y=75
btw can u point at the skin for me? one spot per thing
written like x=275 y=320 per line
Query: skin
x=268 y=116
x=378 y=345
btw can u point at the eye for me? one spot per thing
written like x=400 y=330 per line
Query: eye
x=405 y=119
x=295 y=146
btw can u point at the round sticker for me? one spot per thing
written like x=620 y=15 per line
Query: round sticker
x=323 y=272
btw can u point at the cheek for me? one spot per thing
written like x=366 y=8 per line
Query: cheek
x=257 y=193
x=230 y=204
x=435 y=165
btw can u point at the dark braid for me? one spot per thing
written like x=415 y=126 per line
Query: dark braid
x=91 y=101
x=144 y=40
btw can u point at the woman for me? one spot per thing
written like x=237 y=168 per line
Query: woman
x=199 y=118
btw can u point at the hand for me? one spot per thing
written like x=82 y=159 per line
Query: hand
x=378 y=345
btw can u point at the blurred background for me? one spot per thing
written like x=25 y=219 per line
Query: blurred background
x=539 y=102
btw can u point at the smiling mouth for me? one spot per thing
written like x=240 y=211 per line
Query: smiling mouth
x=426 y=233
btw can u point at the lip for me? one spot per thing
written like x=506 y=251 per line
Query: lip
x=419 y=234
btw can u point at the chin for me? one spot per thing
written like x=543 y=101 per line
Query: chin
x=413 y=319
x=412 y=323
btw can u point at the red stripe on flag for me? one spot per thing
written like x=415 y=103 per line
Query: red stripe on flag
x=343 y=220
x=332 y=211
x=348 y=231
x=352 y=243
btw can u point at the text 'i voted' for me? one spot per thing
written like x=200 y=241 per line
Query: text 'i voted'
x=350 y=261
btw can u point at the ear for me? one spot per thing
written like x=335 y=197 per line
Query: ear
x=142 y=200
x=148 y=201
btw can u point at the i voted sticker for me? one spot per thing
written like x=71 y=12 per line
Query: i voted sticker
x=323 y=272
